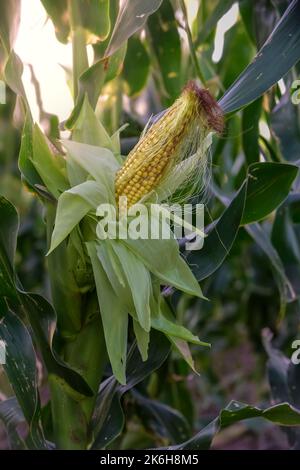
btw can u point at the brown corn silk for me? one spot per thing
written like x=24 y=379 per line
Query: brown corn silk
x=164 y=145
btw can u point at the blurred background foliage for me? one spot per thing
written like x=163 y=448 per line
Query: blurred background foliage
x=252 y=316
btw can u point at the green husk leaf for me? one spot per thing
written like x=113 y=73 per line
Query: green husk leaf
x=48 y=166
x=72 y=206
x=181 y=345
x=162 y=258
x=132 y=17
x=99 y=163
x=89 y=130
x=279 y=53
x=139 y=282
x=26 y=166
x=142 y=339
x=169 y=328
x=114 y=318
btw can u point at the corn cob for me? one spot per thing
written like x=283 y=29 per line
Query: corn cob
x=163 y=145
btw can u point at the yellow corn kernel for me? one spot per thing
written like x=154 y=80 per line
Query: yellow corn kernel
x=163 y=145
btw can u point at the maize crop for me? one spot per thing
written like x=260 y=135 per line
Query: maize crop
x=165 y=144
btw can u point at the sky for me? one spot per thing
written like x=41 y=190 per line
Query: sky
x=37 y=45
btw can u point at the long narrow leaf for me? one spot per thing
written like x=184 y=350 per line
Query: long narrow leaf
x=280 y=52
x=131 y=18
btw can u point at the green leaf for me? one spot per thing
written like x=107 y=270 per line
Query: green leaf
x=9 y=229
x=220 y=239
x=108 y=419
x=178 y=275
x=93 y=16
x=114 y=272
x=282 y=414
x=114 y=318
x=139 y=281
x=114 y=269
x=259 y=19
x=166 y=44
x=269 y=185
x=42 y=319
x=266 y=187
x=250 y=126
x=163 y=420
x=136 y=67
x=26 y=166
x=201 y=441
x=98 y=162
x=63 y=266
x=92 y=80
x=72 y=206
x=20 y=367
x=48 y=166
x=211 y=22
x=12 y=416
x=9 y=22
x=236 y=44
x=13 y=72
x=58 y=12
x=184 y=350
x=181 y=345
x=40 y=314
x=132 y=17
x=294 y=207
x=285 y=241
x=162 y=258
x=246 y=8
x=263 y=72
x=112 y=417
x=285 y=288
x=277 y=368
x=9 y=226
x=285 y=123
x=79 y=49
x=169 y=328
x=142 y=339
x=137 y=370
x=284 y=381
x=89 y=130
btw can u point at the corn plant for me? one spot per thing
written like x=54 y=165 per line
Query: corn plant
x=110 y=320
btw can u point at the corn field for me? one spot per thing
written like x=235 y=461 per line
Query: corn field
x=149 y=225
